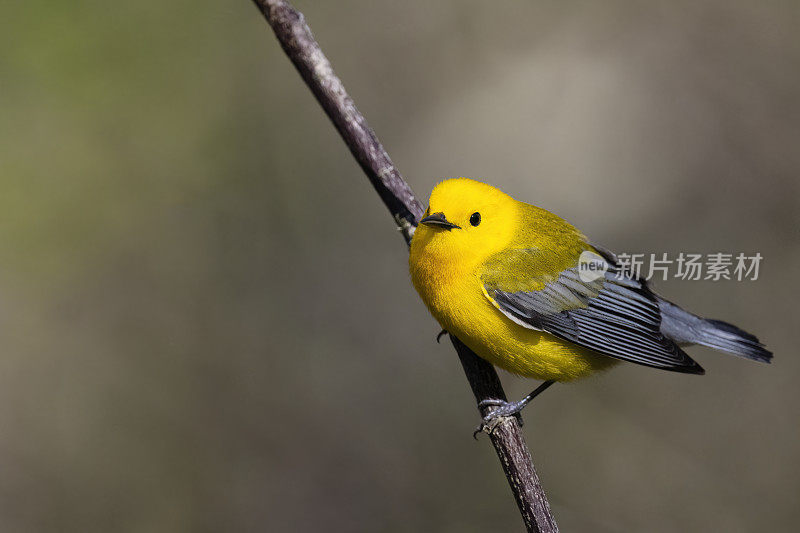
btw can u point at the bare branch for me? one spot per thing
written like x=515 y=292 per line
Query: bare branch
x=299 y=44
x=509 y=443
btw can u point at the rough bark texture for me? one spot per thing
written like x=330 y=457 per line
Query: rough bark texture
x=297 y=41
x=509 y=443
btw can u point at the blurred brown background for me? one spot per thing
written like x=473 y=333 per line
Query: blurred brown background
x=207 y=319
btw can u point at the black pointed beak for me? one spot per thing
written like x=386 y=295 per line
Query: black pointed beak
x=438 y=220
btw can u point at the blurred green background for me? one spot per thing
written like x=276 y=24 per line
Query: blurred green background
x=207 y=318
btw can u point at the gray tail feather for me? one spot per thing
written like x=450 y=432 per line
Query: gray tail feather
x=685 y=328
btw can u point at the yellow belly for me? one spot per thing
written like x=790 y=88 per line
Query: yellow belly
x=463 y=310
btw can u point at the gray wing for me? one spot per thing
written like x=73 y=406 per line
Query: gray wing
x=614 y=314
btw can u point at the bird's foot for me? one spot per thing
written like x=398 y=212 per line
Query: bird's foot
x=504 y=410
x=439 y=336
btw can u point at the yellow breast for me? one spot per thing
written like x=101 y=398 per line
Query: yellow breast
x=454 y=294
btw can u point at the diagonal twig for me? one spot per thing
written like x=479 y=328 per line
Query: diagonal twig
x=300 y=46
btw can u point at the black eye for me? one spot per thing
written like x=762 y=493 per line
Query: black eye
x=475 y=218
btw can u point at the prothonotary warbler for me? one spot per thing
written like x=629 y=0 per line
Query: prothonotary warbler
x=527 y=292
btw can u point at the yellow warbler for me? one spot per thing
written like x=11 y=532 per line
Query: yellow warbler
x=524 y=290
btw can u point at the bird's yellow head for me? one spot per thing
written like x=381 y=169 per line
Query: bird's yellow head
x=466 y=222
